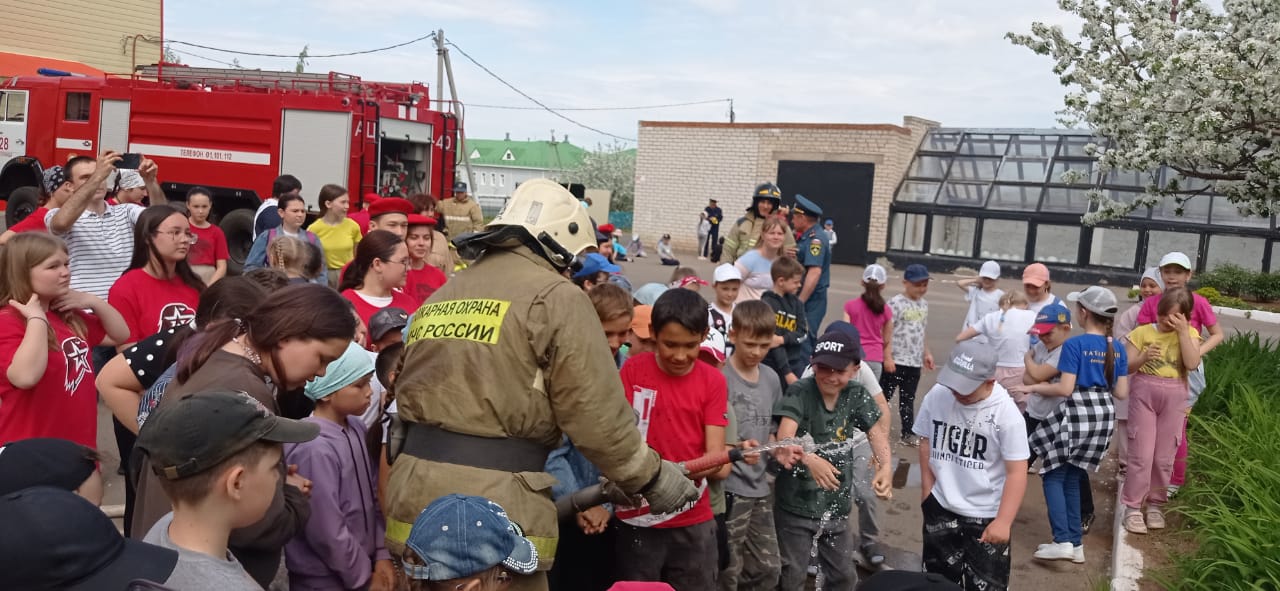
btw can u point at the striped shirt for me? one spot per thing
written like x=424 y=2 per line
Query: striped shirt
x=100 y=246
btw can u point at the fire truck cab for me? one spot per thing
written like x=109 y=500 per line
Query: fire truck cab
x=233 y=132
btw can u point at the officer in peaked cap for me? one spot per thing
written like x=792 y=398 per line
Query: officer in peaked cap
x=814 y=252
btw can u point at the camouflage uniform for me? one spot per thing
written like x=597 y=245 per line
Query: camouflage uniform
x=754 y=564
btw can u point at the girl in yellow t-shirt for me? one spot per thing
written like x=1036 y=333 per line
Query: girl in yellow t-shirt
x=338 y=233
x=1160 y=356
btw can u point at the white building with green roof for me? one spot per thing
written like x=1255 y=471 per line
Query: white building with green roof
x=499 y=165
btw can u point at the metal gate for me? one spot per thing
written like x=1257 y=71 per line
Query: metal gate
x=843 y=191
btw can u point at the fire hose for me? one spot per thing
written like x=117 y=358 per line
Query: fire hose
x=607 y=492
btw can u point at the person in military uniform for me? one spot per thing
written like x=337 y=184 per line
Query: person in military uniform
x=498 y=363
x=814 y=253
x=744 y=234
x=461 y=214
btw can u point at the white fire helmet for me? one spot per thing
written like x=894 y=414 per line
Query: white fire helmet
x=552 y=216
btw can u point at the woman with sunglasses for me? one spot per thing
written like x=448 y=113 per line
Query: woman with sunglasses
x=376 y=276
x=159 y=291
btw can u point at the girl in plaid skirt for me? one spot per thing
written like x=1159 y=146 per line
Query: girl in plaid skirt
x=1075 y=437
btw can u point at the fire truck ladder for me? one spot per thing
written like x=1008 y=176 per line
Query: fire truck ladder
x=332 y=82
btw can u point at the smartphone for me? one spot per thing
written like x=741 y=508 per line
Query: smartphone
x=130 y=161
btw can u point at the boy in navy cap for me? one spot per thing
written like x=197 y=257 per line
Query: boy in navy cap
x=908 y=349
x=814 y=500
x=466 y=543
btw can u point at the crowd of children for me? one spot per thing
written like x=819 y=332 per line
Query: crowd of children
x=261 y=456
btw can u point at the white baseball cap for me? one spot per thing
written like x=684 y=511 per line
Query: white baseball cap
x=875 y=273
x=727 y=272
x=1176 y=258
x=990 y=270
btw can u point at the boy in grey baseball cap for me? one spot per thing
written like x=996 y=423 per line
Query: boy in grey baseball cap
x=973 y=470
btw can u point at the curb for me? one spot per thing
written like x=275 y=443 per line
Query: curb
x=1255 y=315
x=1126 y=560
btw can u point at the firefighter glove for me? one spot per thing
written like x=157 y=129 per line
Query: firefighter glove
x=670 y=490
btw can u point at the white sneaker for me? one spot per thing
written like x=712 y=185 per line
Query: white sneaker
x=1063 y=551
x=1077 y=552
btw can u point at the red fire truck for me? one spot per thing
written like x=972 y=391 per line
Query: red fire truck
x=232 y=131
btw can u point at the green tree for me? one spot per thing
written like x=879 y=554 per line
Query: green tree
x=170 y=56
x=612 y=168
x=302 y=59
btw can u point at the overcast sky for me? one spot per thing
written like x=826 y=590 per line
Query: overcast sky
x=839 y=61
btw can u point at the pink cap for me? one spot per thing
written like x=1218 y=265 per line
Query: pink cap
x=1035 y=274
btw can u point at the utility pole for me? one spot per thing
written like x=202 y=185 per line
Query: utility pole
x=440 y=51
x=454 y=105
x=732 y=115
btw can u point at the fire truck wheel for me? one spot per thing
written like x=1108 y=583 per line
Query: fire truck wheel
x=22 y=201
x=237 y=225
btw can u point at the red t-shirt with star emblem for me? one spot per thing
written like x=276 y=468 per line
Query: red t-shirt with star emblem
x=419 y=284
x=150 y=305
x=64 y=403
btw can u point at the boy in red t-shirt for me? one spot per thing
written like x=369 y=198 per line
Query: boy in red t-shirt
x=681 y=405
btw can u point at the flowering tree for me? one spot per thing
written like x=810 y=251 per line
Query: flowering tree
x=610 y=167
x=1174 y=83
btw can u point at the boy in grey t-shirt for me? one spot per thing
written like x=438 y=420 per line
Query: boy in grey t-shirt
x=197 y=571
x=220 y=475
x=754 y=562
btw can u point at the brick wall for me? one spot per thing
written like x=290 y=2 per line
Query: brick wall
x=679 y=165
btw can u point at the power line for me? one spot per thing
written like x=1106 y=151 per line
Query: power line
x=635 y=108
x=534 y=100
x=208 y=59
x=295 y=56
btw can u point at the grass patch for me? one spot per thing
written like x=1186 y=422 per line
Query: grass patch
x=1231 y=501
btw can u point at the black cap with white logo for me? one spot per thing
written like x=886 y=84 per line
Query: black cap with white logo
x=836 y=350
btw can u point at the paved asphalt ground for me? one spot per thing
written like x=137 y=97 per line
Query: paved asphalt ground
x=901 y=522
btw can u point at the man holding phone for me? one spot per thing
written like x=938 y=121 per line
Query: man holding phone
x=99 y=236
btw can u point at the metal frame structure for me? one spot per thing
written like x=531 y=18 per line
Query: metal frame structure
x=975 y=194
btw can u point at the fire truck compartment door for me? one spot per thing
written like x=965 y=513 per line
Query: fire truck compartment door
x=113 y=131
x=409 y=131
x=13 y=125
x=316 y=147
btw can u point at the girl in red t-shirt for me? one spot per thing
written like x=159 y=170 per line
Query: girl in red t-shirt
x=208 y=254
x=422 y=279
x=46 y=336
x=159 y=291
x=377 y=273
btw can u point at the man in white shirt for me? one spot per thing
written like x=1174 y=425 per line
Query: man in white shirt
x=99 y=236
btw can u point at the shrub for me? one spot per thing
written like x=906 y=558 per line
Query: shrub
x=1264 y=287
x=1217 y=299
x=1230 y=499
x=1232 y=280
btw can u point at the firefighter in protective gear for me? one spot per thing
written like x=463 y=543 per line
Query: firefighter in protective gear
x=746 y=232
x=502 y=359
